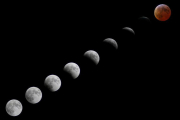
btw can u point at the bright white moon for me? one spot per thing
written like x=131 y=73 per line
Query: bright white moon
x=33 y=95
x=14 y=107
x=52 y=82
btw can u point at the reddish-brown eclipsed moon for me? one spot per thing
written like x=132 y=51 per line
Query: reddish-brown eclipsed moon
x=162 y=12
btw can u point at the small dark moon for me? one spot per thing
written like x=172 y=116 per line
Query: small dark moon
x=143 y=20
x=162 y=12
x=143 y=26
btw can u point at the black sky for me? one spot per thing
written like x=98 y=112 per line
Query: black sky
x=136 y=81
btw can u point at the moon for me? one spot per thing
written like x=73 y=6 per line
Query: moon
x=33 y=95
x=52 y=82
x=111 y=42
x=93 y=56
x=128 y=29
x=72 y=69
x=144 y=17
x=143 y=26
x=162 y=12
x=14 y=107
x=143 y=20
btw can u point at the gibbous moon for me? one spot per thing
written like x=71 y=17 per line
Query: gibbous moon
x=33 y=95
x=14 y=107
x=111 y=42
x=92 y=55
x=162 y=12
x=72 y=69
x=128 y=29
x=52 y=82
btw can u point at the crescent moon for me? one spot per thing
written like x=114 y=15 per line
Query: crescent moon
x=93 y=56
x=129 y=29
x=111 y=42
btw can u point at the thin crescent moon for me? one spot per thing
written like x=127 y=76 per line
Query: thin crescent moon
x=129 y=29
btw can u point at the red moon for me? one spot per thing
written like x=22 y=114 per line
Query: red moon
x=162 y=12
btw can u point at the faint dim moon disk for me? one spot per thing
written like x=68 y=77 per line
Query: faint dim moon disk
x=143 y=26
x=52 y=82
x=143 y=20
x=162 y=12
x=128 y=29
x=112 y=42
x=72 y=69
x=14 y=107
x=33 y=95
x=92 y=55
x=144 y=17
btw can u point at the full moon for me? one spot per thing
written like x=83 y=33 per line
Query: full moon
x=162 y=12
x=33 y=95
x=72 y=69
x=14 y=107
x=92 y=55
x=111 y=42
x=52 y=82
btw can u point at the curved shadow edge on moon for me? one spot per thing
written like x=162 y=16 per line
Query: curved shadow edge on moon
x=72 y=69
x=52 y=82
x=111 y=42
x=93 y=56
x=129 y=29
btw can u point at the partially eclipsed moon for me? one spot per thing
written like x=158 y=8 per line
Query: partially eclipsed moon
x=14 y=107
x=52 y=82
x=111 y=42
x=144 y=19
x=129 y=30
x=162 y=12
x=33 y=95
x=92 y=55
x=72 y=69
x=143 y=26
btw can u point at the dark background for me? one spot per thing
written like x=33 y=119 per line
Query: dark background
x=136 y=81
